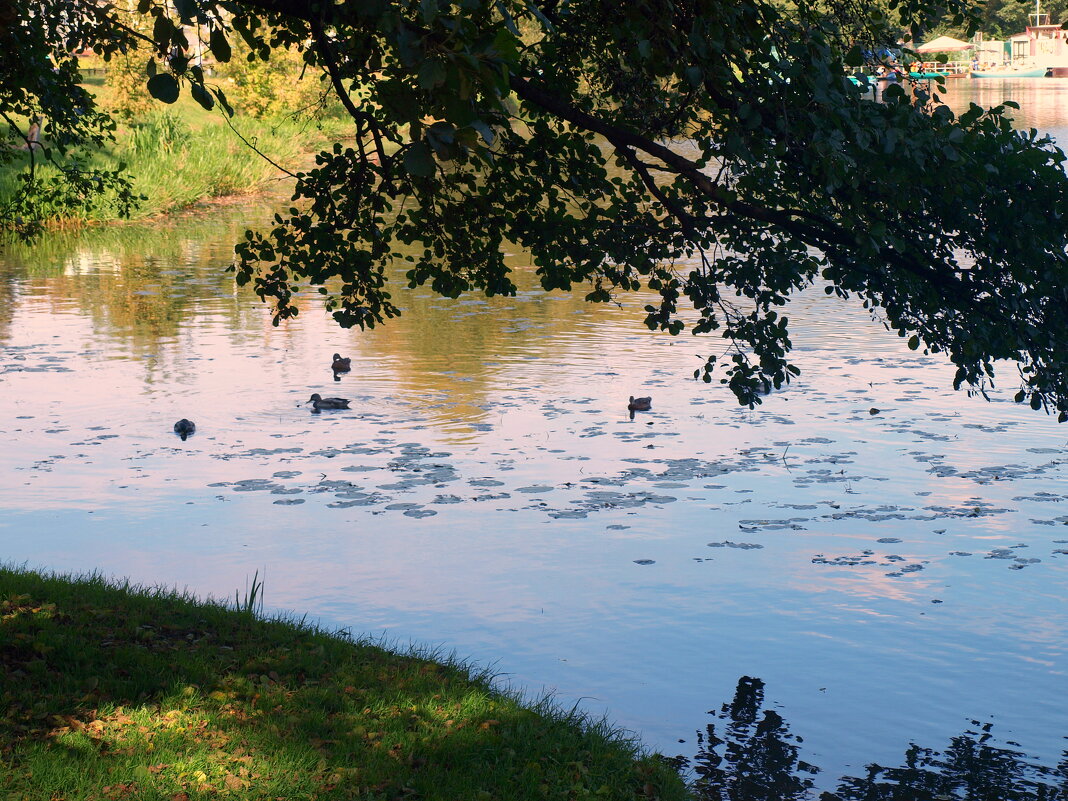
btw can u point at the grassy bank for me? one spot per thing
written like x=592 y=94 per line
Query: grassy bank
x=113 y=692
x=179 y=155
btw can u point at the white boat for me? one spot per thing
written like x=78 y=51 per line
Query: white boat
x=1030 y=72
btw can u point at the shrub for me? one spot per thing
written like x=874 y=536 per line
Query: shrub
x=281 y=86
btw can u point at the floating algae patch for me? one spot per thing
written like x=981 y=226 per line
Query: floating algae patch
x=253 y=485
x=744 y=546
x=485 y=482
x=791 y=524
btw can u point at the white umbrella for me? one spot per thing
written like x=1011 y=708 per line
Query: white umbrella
x=944 y=44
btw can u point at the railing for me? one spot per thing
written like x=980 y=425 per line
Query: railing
x=948 y=67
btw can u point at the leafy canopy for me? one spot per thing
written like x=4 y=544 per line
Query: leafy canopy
x=713 y=151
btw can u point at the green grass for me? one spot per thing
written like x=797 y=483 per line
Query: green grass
x=180 y=155
x=174 y=165
x=111 y=691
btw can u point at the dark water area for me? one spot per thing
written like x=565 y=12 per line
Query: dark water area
x=889 y=557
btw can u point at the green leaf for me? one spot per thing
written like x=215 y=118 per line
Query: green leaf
x=163 y=87
x=163 y=31
x=202 y=95
x=150 y=67
x=855 y=56
x=219 y=46
x=487 y=132
x=914 y=342
x=506 y=45
x=221 y=97
x=508 y=21
x=441 y=132
x=418 y=160
x=186 y=9
x=431 y=74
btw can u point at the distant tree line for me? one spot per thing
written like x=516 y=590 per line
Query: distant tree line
x=1000 y=19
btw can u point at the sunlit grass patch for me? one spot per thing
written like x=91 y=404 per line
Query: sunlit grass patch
x=121 y=692
x=179 y=155
x=174 y=165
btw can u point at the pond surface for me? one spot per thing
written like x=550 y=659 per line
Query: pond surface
x=889 y=558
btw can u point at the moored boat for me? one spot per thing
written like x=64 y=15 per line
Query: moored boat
x=1033 y=72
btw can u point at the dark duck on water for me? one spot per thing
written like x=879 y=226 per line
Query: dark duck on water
x=183 y=428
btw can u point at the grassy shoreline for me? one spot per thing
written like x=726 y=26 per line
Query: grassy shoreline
x=114 y=691
x=179 y=156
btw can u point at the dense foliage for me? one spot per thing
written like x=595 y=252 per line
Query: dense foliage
x=712 y=151
x=278 y=86
x=1000 y=19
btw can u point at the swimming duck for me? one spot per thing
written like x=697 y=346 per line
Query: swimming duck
x=341 y=365
x=183 y=428
x=639 y=405
x=319 y=402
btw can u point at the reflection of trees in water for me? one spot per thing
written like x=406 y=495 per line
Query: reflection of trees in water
x=757 y=760
x=138 y=283
x=148 y=284
x=973 y=769
x=8 y=288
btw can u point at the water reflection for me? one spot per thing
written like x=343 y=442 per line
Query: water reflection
x=153 y=292
x=757 y=759
x=138 y=284
x=1042 y=100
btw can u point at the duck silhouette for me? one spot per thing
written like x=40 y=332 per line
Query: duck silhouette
x=318 y=402
x=183 y=428
x=340 y=365
x=639 y=405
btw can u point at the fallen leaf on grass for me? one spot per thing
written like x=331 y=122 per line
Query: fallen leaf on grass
x=116 y=791
x=232 y=782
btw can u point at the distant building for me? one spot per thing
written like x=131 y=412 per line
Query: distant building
x=1019 y=47
x=1047 y=46
x=992 y=52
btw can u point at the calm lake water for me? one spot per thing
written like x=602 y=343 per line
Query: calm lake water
x=890 y=578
